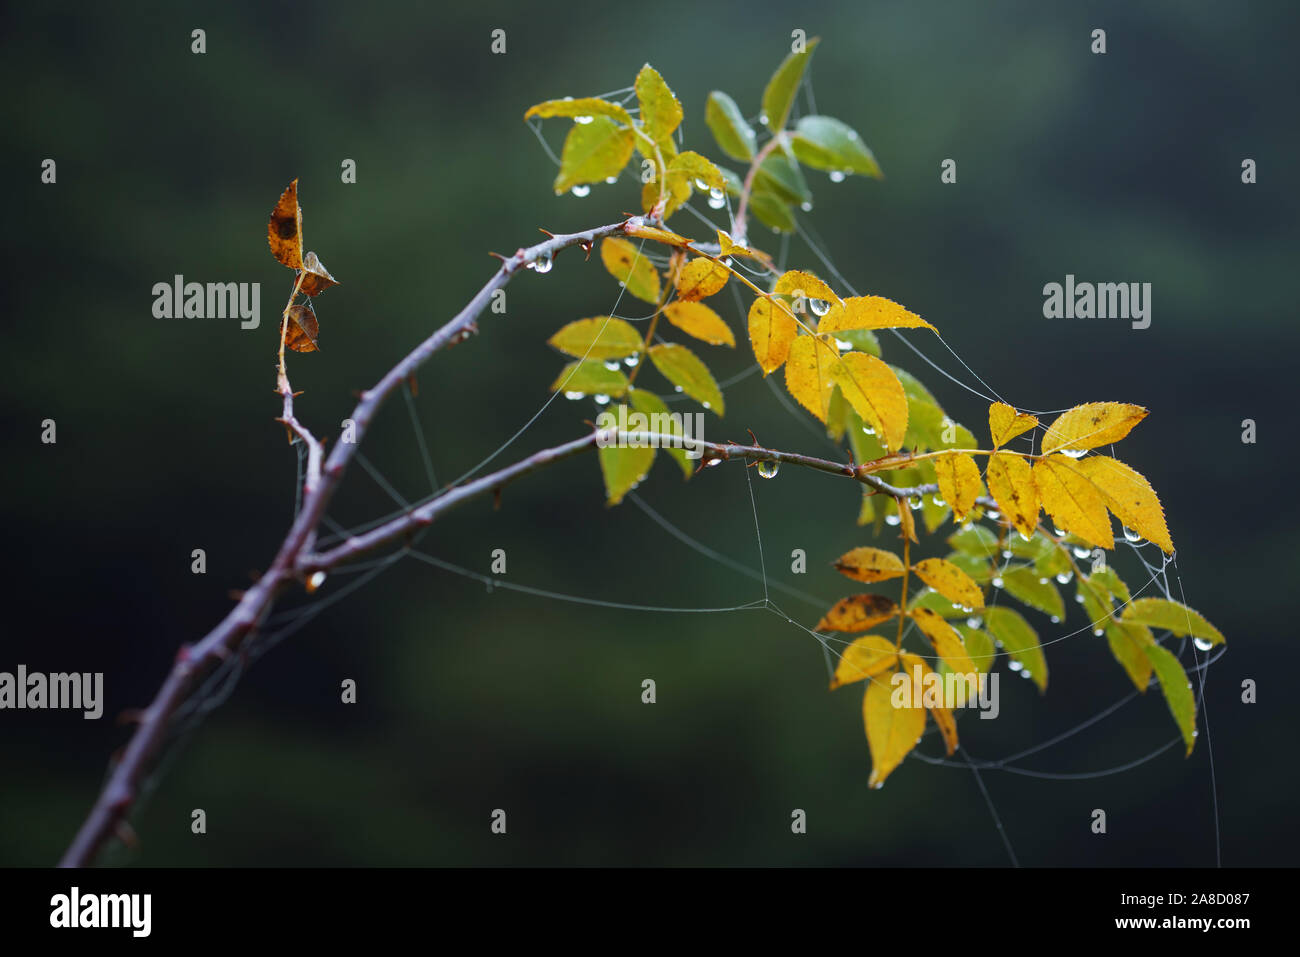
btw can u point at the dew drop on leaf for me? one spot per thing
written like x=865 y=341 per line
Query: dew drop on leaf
x=837 y=176
x=580 y=191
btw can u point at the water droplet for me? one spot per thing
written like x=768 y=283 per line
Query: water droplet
x=677 y=388
x=806 y=207
x=892 y=519
x=611 y=180
x=1006 y=553
x=974 y=622
x=717 y=198
x=768 y=469
x=1074 y=453
x=843 y=345
x=1081 y=552
x=580 y=191
x=1056 y=619
x=1024 y=673
x=1099 y=632
x=915 y=503
x=967 y=609
x=994 y=514
x=1063 y=578
x=1202 y=645
x=611 y=365
x=318 y=578
x=819 y=307
x=571 y=395
x=542 y=263
x=583 y=120
x=997 y=581
x=868 y=430
x=1131 y=536
x=1015 y=665
x=1042 y=581
x=762 y=118
x=707 y=405
x=938 y=502
x=837 y=176
x=630 y=361
x=702 y=186
x=601 y=399
x=712 y=462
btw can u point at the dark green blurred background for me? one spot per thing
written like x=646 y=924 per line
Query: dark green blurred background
x=1117 y=167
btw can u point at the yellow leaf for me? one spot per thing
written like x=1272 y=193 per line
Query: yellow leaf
x=665 y=236
x=1088 y=426
x=867 y=657
x=871 y=312
x=1005 y=423
x=869 y=564
x=626 y=264
x=942 y=716
x=907 y=523
x=660 y=111
x=1073 y=502
x=959 y=482
x=700 y=278
x=695 y=166
x=801 y=286
x=808 y=373
x=857 y=613
x=944 y=638
x=950 y=582
x=891 y=732
x=1130 y=497
x=698 y=320
x=1011 y=483
x=602 y=337
x=772 y=330
x=587 y=106
x=677 y=190
x=875 y=393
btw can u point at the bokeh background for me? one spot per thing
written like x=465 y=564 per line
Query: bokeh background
x=1117 y=167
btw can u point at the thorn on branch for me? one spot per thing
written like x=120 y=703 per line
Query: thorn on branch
x=496 y=499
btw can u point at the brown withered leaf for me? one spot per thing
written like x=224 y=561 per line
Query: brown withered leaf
x=315 y=277
x=284 y=231
x=302 y=329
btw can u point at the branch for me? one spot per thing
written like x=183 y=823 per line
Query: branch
x=194 y=662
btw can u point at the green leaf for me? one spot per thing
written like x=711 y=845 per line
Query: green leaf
x=976 y=568
x=1171 y=616
x=590 y=378
x=735 y=137
x=863 y=340
x=781 y=175
x=593 y=152
x=623 y=467
x=778 y=97
x=1096 y=602
x=682 y=367
x=735 y=185
x=587 y=106
x=1178 y=691
x=625 y=263
x=660 y=112
x=825 y=143
x=979 y=646
x=1023 y=585
x=932 y=600
x=602 y=337
x=1019 y=640
x=973 y=539
x=772 y=211
x=1128 y=644
x=651 y=405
